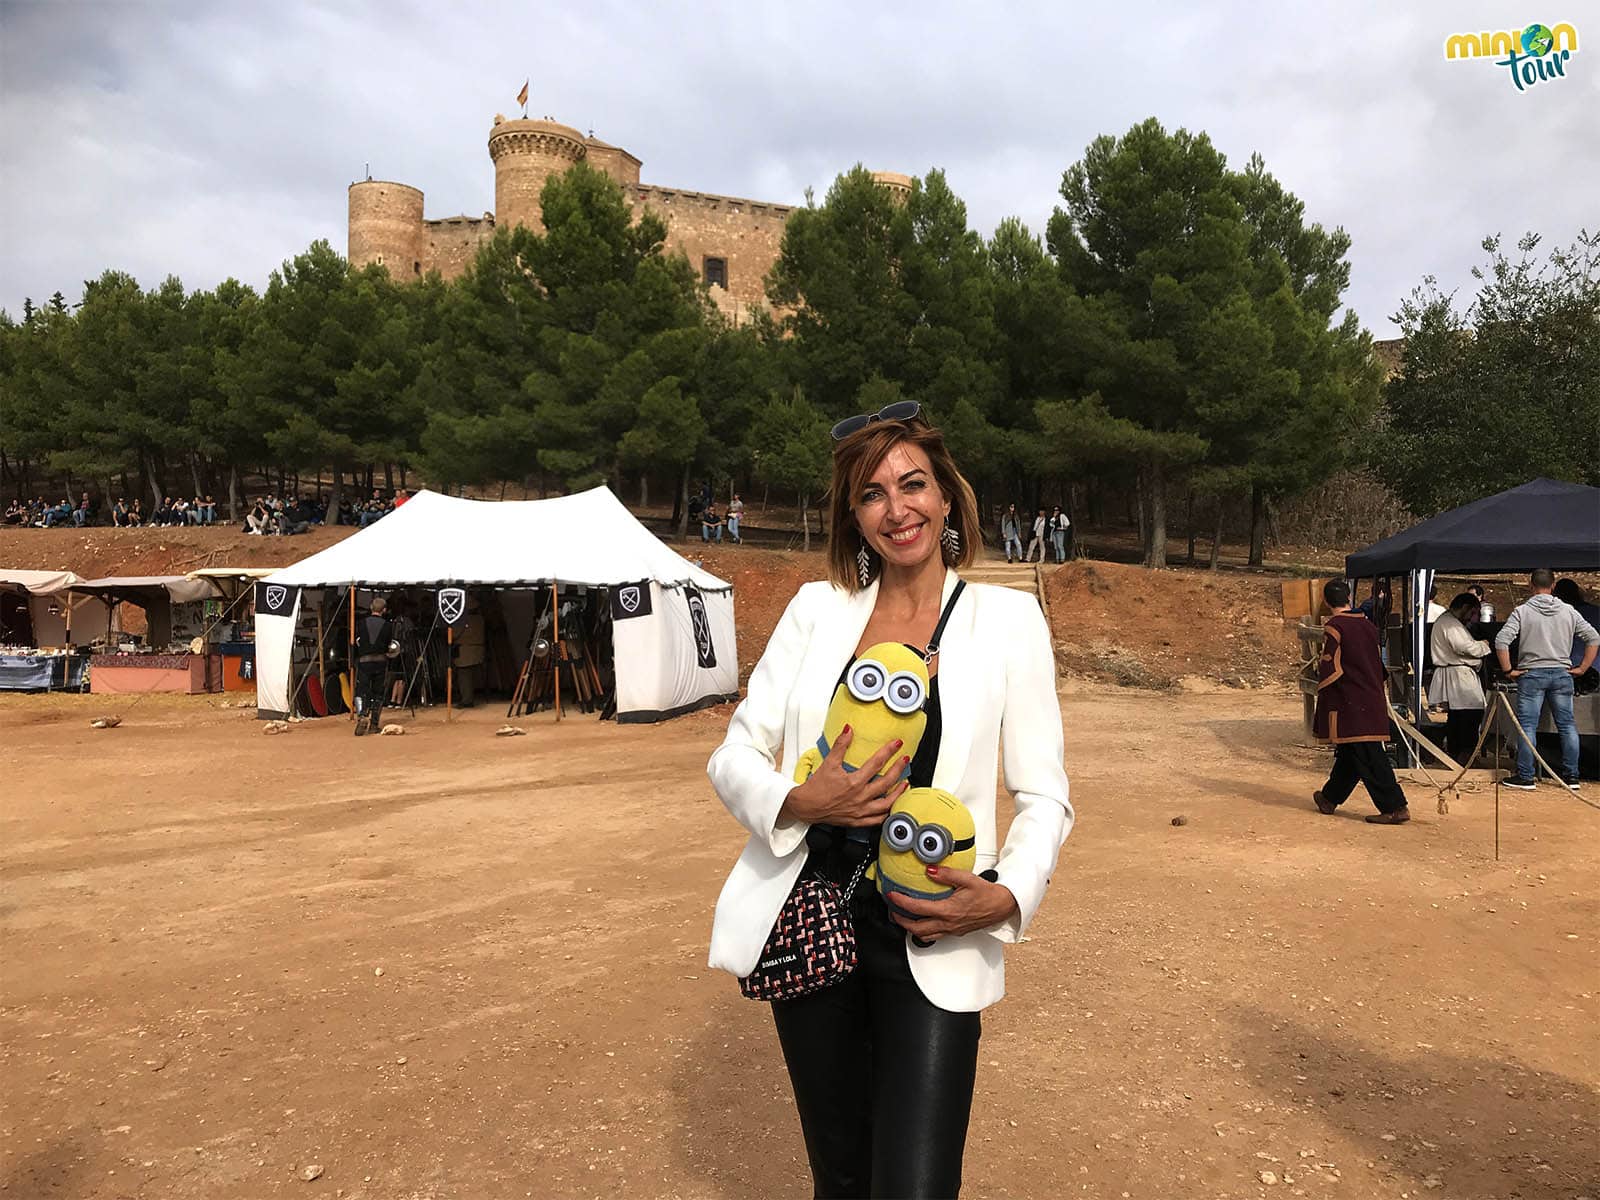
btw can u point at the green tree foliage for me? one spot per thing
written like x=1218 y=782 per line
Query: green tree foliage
x=790 y=448
x=1503 y=392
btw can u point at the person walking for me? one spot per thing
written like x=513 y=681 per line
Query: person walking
x=1353 y=712
x=1041 y=525
x=883 y=1062
x=373 y=648
x=1059 y=524
x=1544 y=627
x=735 y=515
x=1011 y=531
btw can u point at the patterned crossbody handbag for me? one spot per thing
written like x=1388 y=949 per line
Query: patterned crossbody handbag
x=812 y=944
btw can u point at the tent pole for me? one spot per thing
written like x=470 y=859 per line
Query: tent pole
x=449 y=669
x=555 y=649
x=350 y=657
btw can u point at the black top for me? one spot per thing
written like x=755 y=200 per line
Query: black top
x=928 y=749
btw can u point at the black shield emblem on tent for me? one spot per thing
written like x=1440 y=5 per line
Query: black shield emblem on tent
x=630 y=600
x=452 y=605
x=704 y=650
x=275 y=599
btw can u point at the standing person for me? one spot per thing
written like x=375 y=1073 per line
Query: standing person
x=1568 y=591
x=1353 y=712
x=1457 y=658
x=1058 y=533
x=883 y=1062
x=735 y=515
x=371 y=654
x=1040 y=524
x=1544 y=628
x=1011 y=531
x=711 y=524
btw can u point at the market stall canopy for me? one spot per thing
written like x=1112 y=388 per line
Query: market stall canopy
x=1545 y=523
x=223 y=573
x=589 y=538
x=143 y=590
x=40 y=583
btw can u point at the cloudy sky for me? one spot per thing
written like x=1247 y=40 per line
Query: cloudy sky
x=216 y=139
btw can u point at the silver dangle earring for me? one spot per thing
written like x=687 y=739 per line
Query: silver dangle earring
x=864 y=564
x=950 y=538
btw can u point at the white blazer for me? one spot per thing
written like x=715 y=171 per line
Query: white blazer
x=997 y=690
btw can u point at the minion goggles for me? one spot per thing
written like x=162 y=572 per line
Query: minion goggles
x=930 y=843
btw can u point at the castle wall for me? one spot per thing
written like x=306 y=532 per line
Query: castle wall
x=744 y=233
x=451 y=244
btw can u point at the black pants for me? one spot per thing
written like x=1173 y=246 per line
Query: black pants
x=1366 y=763
x=1461 y=733
x=882 y=1077
x=369 y=691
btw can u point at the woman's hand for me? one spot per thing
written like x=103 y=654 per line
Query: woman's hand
x=975 y=904
x=834 y=796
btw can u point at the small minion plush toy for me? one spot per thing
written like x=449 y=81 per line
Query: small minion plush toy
x=880 y=698
x=926 y=827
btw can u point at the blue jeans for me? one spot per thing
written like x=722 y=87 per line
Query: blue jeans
x=1534 y=688
x=707 y=531
x=1059 y=537
x=1010 y=542
x=733 y=528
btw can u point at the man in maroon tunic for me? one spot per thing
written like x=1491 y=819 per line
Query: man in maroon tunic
x=1353 y=712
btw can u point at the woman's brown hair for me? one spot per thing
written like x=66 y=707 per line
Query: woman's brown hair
x=855 y=459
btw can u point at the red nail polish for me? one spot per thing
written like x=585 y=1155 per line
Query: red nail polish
x=933 y=872
x=845 y=730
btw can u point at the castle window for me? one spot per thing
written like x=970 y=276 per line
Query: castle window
x=716 y=272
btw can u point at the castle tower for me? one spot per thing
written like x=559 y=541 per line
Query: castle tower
x=386 y=227
x=525 y=154
x=899 y=185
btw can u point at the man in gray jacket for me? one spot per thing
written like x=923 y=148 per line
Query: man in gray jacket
x=1543 y=628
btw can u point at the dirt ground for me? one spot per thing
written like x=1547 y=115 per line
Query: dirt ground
x=453 y=965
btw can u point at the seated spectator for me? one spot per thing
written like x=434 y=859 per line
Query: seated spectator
x=136 y=513
x=119 y=513
x=400 y=498
x=711 y=524
x=16 y=513
x=58 y=514
x=84 y=513
x=256 y=520
x=208 y=510
x=163 y=512
x=180 y=511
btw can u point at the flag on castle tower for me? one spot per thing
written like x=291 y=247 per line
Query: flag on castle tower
x=522 y=96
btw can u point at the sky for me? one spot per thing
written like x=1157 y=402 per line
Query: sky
x=210 y=140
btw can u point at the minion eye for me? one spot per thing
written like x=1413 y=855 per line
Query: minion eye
x=899 y=831
x=866 y=680
x=904 y=692
x=933 y=843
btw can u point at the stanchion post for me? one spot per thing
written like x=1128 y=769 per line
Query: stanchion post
x=1498 y=744
x=449 y=672
x=555 y=647
x=350 y=653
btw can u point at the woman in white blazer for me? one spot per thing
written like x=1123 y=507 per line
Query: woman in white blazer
x=883 y=1063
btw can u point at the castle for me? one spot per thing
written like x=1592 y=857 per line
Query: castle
x=730 y=241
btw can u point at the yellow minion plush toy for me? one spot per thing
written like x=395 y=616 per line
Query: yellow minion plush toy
x=880 y=698
x=926 y=827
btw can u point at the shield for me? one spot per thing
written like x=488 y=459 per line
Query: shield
x=705 y=649
x=629 y=599
x=276 y=594
x=452 y=605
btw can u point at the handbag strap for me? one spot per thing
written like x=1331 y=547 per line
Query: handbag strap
x=932 y=651
x=855 y=878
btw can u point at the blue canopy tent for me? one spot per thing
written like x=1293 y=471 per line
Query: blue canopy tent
x=1545 y=523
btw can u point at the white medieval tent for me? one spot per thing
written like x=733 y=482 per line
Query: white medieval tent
x=673 y=633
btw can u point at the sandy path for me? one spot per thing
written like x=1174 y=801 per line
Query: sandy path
x=193 y=916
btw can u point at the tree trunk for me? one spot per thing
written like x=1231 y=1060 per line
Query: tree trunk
x=1157 y=556
x=644 y=490
x=805 y=521
x=388 y=480
x=194 y=474
x=1258 y=525
x=332 y=517
x=149 y=464
x=233 y=493
x=1141 y=509
x=1216 y=536
x=766 y=490
x=1188 y=521
x=682 y=513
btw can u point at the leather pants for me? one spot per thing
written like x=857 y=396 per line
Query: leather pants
x=882 y=1077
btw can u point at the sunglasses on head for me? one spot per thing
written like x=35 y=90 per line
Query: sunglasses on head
x=900 y=410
